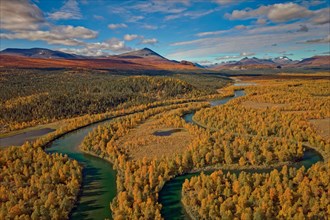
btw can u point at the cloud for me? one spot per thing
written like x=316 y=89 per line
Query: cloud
x=99 y=48
x=190 y=14
x=65 y=35
x=261 y=21
x=183 y=43
x=203 y=62
x=321 y=17
x=116 y=26
x=150 y=41
x=242 y=54
x=259 y=42
x=240 y=27
x=70 y=10
x=17 y=15
x=325 y=40
x=149 y=27
x=69 y=31
x=113 y=44
x=227 y=2
x=130 y=37
x=303 y=28
x=156 y=6
x=83 y=51
x=98 y=17
x=135 y=18
x=276 y=12
x=288 y=12
x=309 y=3
x=209 y=33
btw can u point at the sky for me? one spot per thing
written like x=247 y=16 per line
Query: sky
x=203 y=31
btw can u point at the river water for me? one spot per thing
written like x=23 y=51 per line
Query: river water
x=99 y=178
x=170 y=195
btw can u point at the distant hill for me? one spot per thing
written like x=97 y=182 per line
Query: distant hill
x=316 y=61
x=143 y=53
x=144 y=59
x=246 y=63
x=284 y=60
x=277 y=62
x=39 y=53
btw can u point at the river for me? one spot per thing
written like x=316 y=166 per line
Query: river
x=99 y=178
x=170 y=195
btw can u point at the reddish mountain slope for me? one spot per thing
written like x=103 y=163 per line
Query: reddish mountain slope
x=144 y=59
x=316 y=61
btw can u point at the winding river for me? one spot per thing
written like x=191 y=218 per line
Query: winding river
x=170 y=195
x=99 y=178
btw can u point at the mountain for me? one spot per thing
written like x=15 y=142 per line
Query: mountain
x=149 y=57
x=277 y=62
x=316 y=61
x=284 y=60
x=143 y=53
x=39 y=53
x=144 y=59
x=254 y=61
x=246 y=63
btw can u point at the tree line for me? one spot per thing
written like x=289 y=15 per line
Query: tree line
x=289 y=193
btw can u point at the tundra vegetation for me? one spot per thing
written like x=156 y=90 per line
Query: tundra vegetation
x=30 y=97
x=234 y=136
x=231 y=136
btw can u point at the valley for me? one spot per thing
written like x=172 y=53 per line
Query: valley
x=138 y=157
x=164 y=109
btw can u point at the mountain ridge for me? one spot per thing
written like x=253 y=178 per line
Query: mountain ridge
x=40 y=53
x=276 y=62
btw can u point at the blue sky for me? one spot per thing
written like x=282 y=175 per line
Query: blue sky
x=196 y=30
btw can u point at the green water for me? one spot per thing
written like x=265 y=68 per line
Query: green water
x=99 y=178
x=170 y=195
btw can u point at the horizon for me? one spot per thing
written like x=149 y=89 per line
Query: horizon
x=201 y=32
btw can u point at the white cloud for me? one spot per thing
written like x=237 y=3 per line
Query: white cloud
x=151 y=41
x=190 y=14
x=116 y=26
x=287 y=12
x=150 y=27
x=321 y=17
x=240 y=27
x=155 y=6
x=47 y=36
x=84 y=51
x=16 y=15
x=231 y=57
x=227 y=2
x=113 y=44
x=256 y=42
x=65 y=35
x=209 y=33
x=261 y=21
x=276 y=13
x=69 y=31
x=98 y=17
x=100 y=48
x=183 y=43
x=70 y=10
x=130 y=37
x=325 y=40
